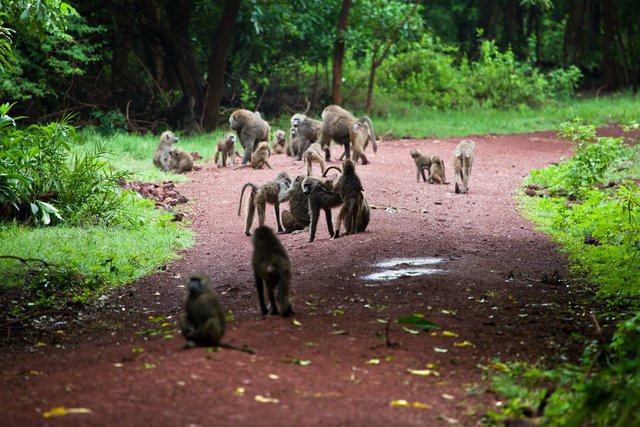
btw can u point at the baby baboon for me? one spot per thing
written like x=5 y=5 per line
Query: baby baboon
x=320 y=195
x=260 y=196
x=272 y=270
x=350 y=189
x=279 y=142
x=251 y=129
x=298 y=216
x=203 y=322
x=359 y=136
x=308 y=131
x=462 y=163
x=180 y=161
x=422 y=163
x=227 y=148
x=259 y=158
x=336 y=125
x=436 y=171
x=314 y=154
x=161 y=157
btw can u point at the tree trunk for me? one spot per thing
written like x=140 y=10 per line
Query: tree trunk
x=338 y=53
x=222 y=39
x=574 y=32
x=609 y=60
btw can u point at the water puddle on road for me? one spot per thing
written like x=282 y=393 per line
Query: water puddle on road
x=409 y=270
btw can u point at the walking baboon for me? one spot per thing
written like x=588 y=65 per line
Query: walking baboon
x=358 y=136
x=251 y=129
x=272 y=269
x=308 y=131
x=314 y=154
x=320 y=195
x=463 y=157
x=203 y=322
x=336 y=124
x=260 y=196
x=180 y=161
x=227 y=148
x=350 y=189
x=436 y=171
x=422 y=163
x=297 y=217
x=279 y=142
x=161 y=157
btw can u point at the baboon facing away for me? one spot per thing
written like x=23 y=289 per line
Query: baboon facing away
x=336 y=124
x=308 y=131
x=350 y=189
x=227 y=148
x=422 y=163
x=279 y=143
x=251 y=129
x=297 y=217
x=436 y=171
x=314 y=154
x=272 y=270
x=161 y=157
x=260 y=196
x=463 y=157
x=320 y=195
x=180 y=161
x=359 y=136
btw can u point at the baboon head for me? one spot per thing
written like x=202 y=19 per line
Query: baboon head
x=168 y=138
x=415 y=153
x=348 y=167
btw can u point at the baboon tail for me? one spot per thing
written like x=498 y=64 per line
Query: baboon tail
x=367 y=121
x=248 y=184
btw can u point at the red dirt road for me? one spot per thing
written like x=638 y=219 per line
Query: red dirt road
x=104 y=363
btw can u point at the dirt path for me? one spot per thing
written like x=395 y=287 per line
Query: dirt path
x=107 y=364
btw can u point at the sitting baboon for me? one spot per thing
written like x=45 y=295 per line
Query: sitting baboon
x=336 y=125
x=272 y=269
x=350 y=189
x=320 y=195
x=227 y=148
x=422 y=163
x=436 y=171
x=462 y=163
x=259 y=158
x=292 y=144
x=161 y=157
x=298 y=217
x=260 y=196
x=180 y=161
x=251 y=130
x=359 y=136
x=314 y=154
x=279 y=142
x=308 y=131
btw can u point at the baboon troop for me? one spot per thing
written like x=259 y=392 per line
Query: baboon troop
x=336 y=125
x=307 y=132
x=272 y=270
x=462 y=163
x=314 y=154
x=279 y=144
x=423 y=163
x=251 y=130
x=260 y=196
x=227 y=148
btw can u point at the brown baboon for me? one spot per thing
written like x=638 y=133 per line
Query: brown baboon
x=279 y=142
x=292 y=144
x=203 y=322
x=259 y=158
x=462 y=162
x=422 y=163
x=180 y=161
x=436 y=171
x=227 y=148
x=314 y=154
x=260 y=196
x=161 y=157
x=358 y=136
x=298 y=217
x=320 y=195
x=251 y=129
x=308 y=131
x=350 y=189
x=336 y=124
x=272 y=270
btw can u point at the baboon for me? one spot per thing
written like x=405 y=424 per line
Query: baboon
x=260 y=196
x=259 y=158
x=358 y=136
x=272 y=270
x=251 y=129
x=314 y=154
x=436 y=171
x=350 y=189
x=203 y=322
x=320 y=195
x=227 y=148
x=462 y=162
x=422 y=163
x=336 y=125
x=279 y=142
x=298 y=217
x=182 y=116
x=292 y=144
x=308 y=131
x=161 y=157
x=180 y=161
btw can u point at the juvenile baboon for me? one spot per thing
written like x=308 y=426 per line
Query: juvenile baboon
x=260 y=196
x=279 y=142
x=436 y=171
x=251 y=129
x=308 y=131
x=180 y=161
x=161 y=157
x=320 y=195
x=203 y=322
x=358 y=136
x=314 y=154
x=292 y=144
x=272 y=270
x=227 y=148
x=297 y=217
x=463 y=157
x=422 y=163
x=259 y=158
x=336 y=124
x=350 y=189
